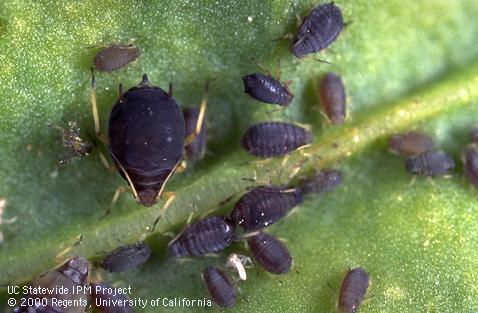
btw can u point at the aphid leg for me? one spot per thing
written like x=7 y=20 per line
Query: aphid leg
x=188 y=222
x=61 y=255
x=120 y=91
x=262 y=67
x=109 y=167
x=182 y=166
x=412 y=181
x=202 y=112
x=94 y=108
x=170 y=90
x=170 y=198
x=118 y=192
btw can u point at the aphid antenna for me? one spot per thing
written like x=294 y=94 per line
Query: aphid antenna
x=188 y=222
x=167 y=203
x=324 y=61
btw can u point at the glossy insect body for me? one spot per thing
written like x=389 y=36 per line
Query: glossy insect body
x=267 y=89
x=410 y=143
x=323 y=181
x=431 y=163
x=263 y=206
x=333 y=98
x=146 y=137
x=196 y=150
x=211 y=234
x=106 y=299
x=126 y=257
x=220 y=287
x=274 y=139
x=470 y=160
x=71 y=275
x=353 y=290
x=318 y=30
x=271 y=253
x=115 y=57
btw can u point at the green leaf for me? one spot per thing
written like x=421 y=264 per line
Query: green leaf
x=406 y=64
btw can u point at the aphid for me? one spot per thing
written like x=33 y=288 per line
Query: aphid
x=267 y=89
x=353 y=290
x=270 y=252
x=274 y=139
x=211 y=234
x=126 y=257
x=196 y=150
x=410 y=143
x=114 y=57
x=106 y=299
x=322 y=181
x=319 y=29
x=239 y=263
x=473 y=136
x=264 y=205
x=431 y=163
x=332 y=97
x=72 y=275
x=220 y=287
x=470 y=160
x=73 y=142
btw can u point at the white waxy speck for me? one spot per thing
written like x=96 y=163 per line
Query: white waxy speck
x=169 y=139
x=249 y=19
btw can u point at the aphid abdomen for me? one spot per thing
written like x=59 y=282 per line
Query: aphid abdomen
x=126 y=257
x=333 y=98
x=470 y=159
x=273 y=139
x=263 y=206
x=353 y=290
x=410 y=143
x=266 y=89
x=271 y=253
x=220 y=287
x=196 y=150
x=103 y=293
x=207 y=235
x=115 y=57
x=431 y=163
x=323 y=181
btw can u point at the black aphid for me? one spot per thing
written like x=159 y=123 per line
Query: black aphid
x=318 y=30
x=106 y=299
x=410 y=143
x=267 y=89
x=470 y=160
x=271 y=253
x=353 y=290
x=115 y=57
x=431 y=163
x=211 y=234
x=274 y=139
x=264 y=205
x=220 y=287
x=196 y=150
x=126 y=257
x=73 y=142
x=333 y=98
x=72 y=275
x=322 y=181
x=473 y=136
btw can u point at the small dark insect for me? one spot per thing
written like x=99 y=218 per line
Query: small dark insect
x=263 y=206
x=196 y=150
x=474 y=135
x=126 y=257
x=470 y=160
x=114 y=57
x=318 y=30
x=274 y=139
x=267 y=89
x=322 y=181
x=271 y=253
x=431 y=163
x=71 y=275
x=332 y=97
x=353 y=290
x=211 y=234
x=410 y=143
x=220 y=287
x=73 y=142
x=106 y=299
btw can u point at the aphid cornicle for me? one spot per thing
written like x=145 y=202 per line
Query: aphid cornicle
x=196 y=150
x=106 y=299
x=272 y=139
x=333 y=98
x=271 y=253
x=353 y=290
x=430 y=163
x=321 y=181
x=264 y=205
x=410 y=143
x=72 y=275
x=318 y=30
x=470 y=160
x=220 y=287
x=114 y=57
x=267 y=89
x=126 y=257
x=210 y=234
